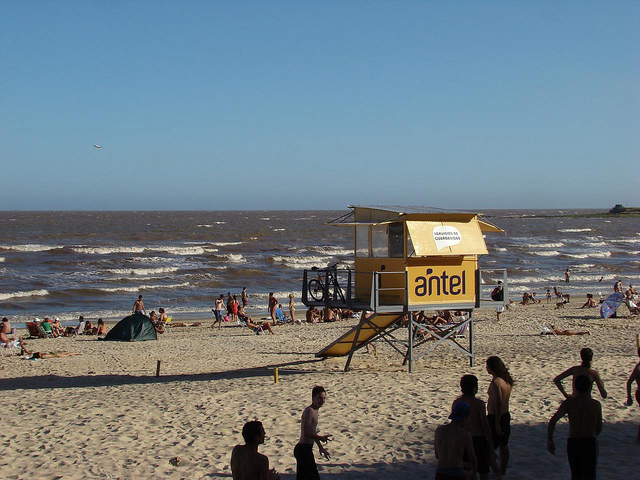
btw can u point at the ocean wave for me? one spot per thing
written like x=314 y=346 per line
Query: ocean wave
x=31 y=247
x=107 y=250
x=142 y=271
x=574 y=230
x=143 y=287
x=180 y=250
x=234 y=257
x=265 y=218
x=500 y=249
x=584 y=265
x=278 y=229
x=21 y=294
x=547 y=245
x=331 y=250
x=589 y=255
x=626 y=240
x=547 y=253
x=211 y=226
x=224 y=244
x=299 y=262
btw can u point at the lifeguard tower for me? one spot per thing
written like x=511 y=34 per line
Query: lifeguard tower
x=408 y=260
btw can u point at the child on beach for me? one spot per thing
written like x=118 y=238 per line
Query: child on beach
x=498 y=408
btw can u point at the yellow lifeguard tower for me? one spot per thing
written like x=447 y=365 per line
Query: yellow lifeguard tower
x=407 y=260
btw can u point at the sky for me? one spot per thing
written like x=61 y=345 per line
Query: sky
x=241 y=105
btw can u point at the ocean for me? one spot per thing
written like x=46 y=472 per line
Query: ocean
x=95 y=264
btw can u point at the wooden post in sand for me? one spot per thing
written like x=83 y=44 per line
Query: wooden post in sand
x=276 y=378
x=158 y=369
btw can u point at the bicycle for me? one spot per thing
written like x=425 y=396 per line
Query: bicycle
x=327 y=279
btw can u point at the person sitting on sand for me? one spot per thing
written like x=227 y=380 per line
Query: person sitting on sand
x=634 y=377
x=478 y=426
x=585 y=424
x=280 y=315
x=89 y=329
x=101 y=329
x=162 y=318
x=156 y=323
x=590 y=303
x=451 y=443
x=5 y=329
x=313 y=315
x=246 y=462
x=246 y=319
x=58 y=329
x=586 y=354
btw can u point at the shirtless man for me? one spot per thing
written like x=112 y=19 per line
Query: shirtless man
x=586 y=354
x=138 y=306
x=585 y=424
x=246 y=462
x=306 y=463
x=635 y=377
x=313 y=315
x=451 y=443
x=5 y=329
x=478 y=426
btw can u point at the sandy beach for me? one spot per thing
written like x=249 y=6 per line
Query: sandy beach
x=106 y=415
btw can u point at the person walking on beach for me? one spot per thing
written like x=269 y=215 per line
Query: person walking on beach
x=452 y=443
x=586 y=354
x=498 y=408
x=567 y=275
x=245 y=297
x=273 y=304
x=138 y=306
x=303 y=452
x=246 y=462
x=635 y=377
x=548 y=296
x=478 y=426
x=217 y=311
x=585 y=424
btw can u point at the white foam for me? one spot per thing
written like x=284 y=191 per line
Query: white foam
x=143 y=287
x=107 y=250
x=142 y=271
x=181 y=250
x=547 y=245
x=299 y=262
x=589 y=254
x=234 y=258
x=547 y=253
x=279 y=229
x=574 y=230
x=21 y=294
x=331 y=250
x=211 y=250
x=265 y=218
x=500 y=249
x=224 y=244
x=626 y=240
x=31 y=247
x=1 y=259
x=584 y=265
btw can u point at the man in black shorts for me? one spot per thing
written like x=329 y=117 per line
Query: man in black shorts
x=306 y=463
x=585 y=424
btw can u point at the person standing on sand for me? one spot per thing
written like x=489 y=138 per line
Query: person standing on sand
x=497 y=295
x=138 y=306
x=452 y=443
x=585 y=424
x=245 y=297
x=635 y=377
x=586 y=354
x=246 y=462
x=273 y=303
x=498 y=408
x=478 y=426
x=292 y=308
x=303 y=452
x=567 y=275
x=217 y=311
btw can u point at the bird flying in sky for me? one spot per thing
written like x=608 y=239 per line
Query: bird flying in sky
x=97 y=146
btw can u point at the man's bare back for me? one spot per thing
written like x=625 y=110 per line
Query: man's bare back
x=451 y=442
x=248 y=464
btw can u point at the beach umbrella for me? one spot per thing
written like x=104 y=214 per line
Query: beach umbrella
x=611 y=304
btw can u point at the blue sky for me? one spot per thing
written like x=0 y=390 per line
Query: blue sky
x=285 y=105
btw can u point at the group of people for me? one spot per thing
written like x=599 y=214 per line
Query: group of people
x=248 y=464
x=466 y=446
x=314 y=315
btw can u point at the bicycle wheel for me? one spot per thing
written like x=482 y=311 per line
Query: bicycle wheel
x=316 y=292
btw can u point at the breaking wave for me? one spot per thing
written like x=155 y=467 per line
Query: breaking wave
x=142 y=287
x=21 y=294
x=31 y=247
x=142 y=271
x=574 y=230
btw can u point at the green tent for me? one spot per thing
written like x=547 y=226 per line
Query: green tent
x=134 y=328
